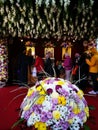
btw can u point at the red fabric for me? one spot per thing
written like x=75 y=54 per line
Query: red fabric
x=9 y=110
x=39 y=64
x=74 y=70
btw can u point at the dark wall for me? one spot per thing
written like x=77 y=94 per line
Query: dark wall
x=14 y=48
x=57 y=52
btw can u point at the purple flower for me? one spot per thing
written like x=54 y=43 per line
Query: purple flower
x=84 y=101
x=71 y=115
x=81 y=114
x=26 y=115
x=76 y=98
x=49 y=91
x=53 y=107
x=49 y=115
x=63 y=92
x=36 y=108
x=44 y=117
x=70 y=85
x=65 y=125
x=51 y=80
x=54 y=101
x=57 y=87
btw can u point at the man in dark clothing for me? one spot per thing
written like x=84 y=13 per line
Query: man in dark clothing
x=48 y=65
x=23 y=67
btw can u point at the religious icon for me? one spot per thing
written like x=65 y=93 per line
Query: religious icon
x=49 y=49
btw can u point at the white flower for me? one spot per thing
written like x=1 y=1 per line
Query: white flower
x=74 y=126
x=22 y=115
x=33 y=119
x=53 y=2
x=57 y=128
x=47 y=3
x=63 y=110
x=49 y=122
x=76 y=119
x=61 y=2
x=46 y=106
x=47 y=98
x=54 y=95
x=7 y=9
x=81 y=105
x=5 y=19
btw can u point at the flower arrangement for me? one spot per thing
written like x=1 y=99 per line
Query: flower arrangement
x=55 y=103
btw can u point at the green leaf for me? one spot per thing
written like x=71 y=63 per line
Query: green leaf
x=86 y=127
x=91 y=107
x=16 y=123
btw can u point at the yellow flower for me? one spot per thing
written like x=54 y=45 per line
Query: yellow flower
x=76 y=110
x=30 y=92
x=80 y=93
x=84 y=119
x=40 y=100
x=26 y=107
x=87 y=111
x=61 y=83
x=42 y=83
x=40 y=126
x=70 y=121
x=36 y=124
x=42 y=92
x=61 y=100
x=40 y=89
x=56 y=114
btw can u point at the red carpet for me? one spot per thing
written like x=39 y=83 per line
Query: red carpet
x=9 y=110
x=10 y=103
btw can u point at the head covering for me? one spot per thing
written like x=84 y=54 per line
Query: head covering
x=77 y=54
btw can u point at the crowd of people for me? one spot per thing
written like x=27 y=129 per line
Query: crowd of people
x=83 y=66
x=34 y=67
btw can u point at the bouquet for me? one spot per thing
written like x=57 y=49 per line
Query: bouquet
x=55 y=103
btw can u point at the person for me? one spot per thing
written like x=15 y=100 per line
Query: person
x=80 y=70
x=48 y=64
x=23 y=67
x=84 y=67
x=59 y=70
x=67 y=64
x=93 y=70
x=75 y=69
x=39 y=64
x=30 y=63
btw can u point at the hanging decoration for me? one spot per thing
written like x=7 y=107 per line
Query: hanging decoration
x=3 y=63
x=49 y=18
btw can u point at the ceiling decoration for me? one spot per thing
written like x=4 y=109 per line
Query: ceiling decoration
x=61 y=19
